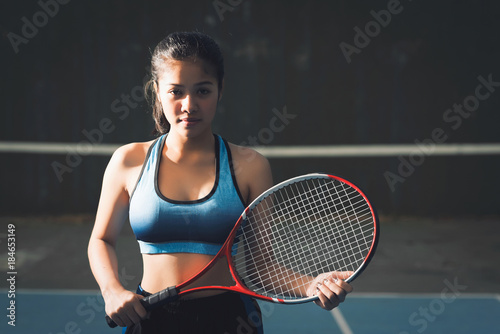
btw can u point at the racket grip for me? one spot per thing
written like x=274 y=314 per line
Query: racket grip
x=160 y=298
x=153 y=301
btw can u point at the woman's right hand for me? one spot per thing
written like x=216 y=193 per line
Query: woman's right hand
x=124 y=308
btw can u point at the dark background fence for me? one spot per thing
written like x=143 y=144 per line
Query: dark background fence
x=349 y=72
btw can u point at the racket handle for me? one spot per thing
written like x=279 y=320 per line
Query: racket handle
x=160 y=298
x=153 y=301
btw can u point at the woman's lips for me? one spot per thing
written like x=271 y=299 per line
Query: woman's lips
x=190 y=121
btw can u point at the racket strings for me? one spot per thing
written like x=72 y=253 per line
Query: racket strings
x=300 y=231
x=357 y=236
x=356 y=221
x=281 y=255
x=344 y=253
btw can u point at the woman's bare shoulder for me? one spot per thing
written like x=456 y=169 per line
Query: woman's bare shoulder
x=252 y=170
x=248 y=158
x=132 y=154
x=125 y=165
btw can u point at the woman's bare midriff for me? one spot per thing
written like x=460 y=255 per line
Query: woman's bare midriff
x=164 y=270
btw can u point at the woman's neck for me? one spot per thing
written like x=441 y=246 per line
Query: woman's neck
x=185 y=149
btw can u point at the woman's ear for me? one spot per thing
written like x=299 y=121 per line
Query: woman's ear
x=157 y=90
x=221 y=90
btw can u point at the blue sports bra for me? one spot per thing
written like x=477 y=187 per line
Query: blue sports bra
x=163 y=225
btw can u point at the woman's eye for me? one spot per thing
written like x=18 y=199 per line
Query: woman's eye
x=176 y=92
x=203 y=91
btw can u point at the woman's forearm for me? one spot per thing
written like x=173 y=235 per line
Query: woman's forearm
x=104 y=265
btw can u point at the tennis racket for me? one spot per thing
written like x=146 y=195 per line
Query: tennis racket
x=303 y=227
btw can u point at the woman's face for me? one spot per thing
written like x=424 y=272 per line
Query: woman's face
x=188 y=93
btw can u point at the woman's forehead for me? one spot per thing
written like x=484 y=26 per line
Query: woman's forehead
x=189 y=69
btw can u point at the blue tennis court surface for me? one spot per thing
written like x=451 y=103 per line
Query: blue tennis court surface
x=80 y=312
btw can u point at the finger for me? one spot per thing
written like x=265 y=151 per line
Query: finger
x=322 y=305
x=133 y=314
x=139 y=308
x=126 y=316
x=337 y=290
x=122 y=319
x=343 y=275
x=117 y=320
x=116 y=316
x=344 y=285
x=323 y=301
x=327 y=298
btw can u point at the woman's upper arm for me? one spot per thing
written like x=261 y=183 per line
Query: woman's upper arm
x=253 y=172
x=113 y=206
x=261 y=179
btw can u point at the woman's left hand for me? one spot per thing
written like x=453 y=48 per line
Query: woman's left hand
x=330 y=288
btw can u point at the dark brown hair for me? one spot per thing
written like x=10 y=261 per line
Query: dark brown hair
x=180 y=46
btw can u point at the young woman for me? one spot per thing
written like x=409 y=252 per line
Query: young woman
x=182 y=197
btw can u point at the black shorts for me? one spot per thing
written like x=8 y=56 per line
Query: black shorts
x=226 y=313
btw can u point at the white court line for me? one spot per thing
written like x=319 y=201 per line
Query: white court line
x=341 y=322
x=346 y=329
x=322 y=151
